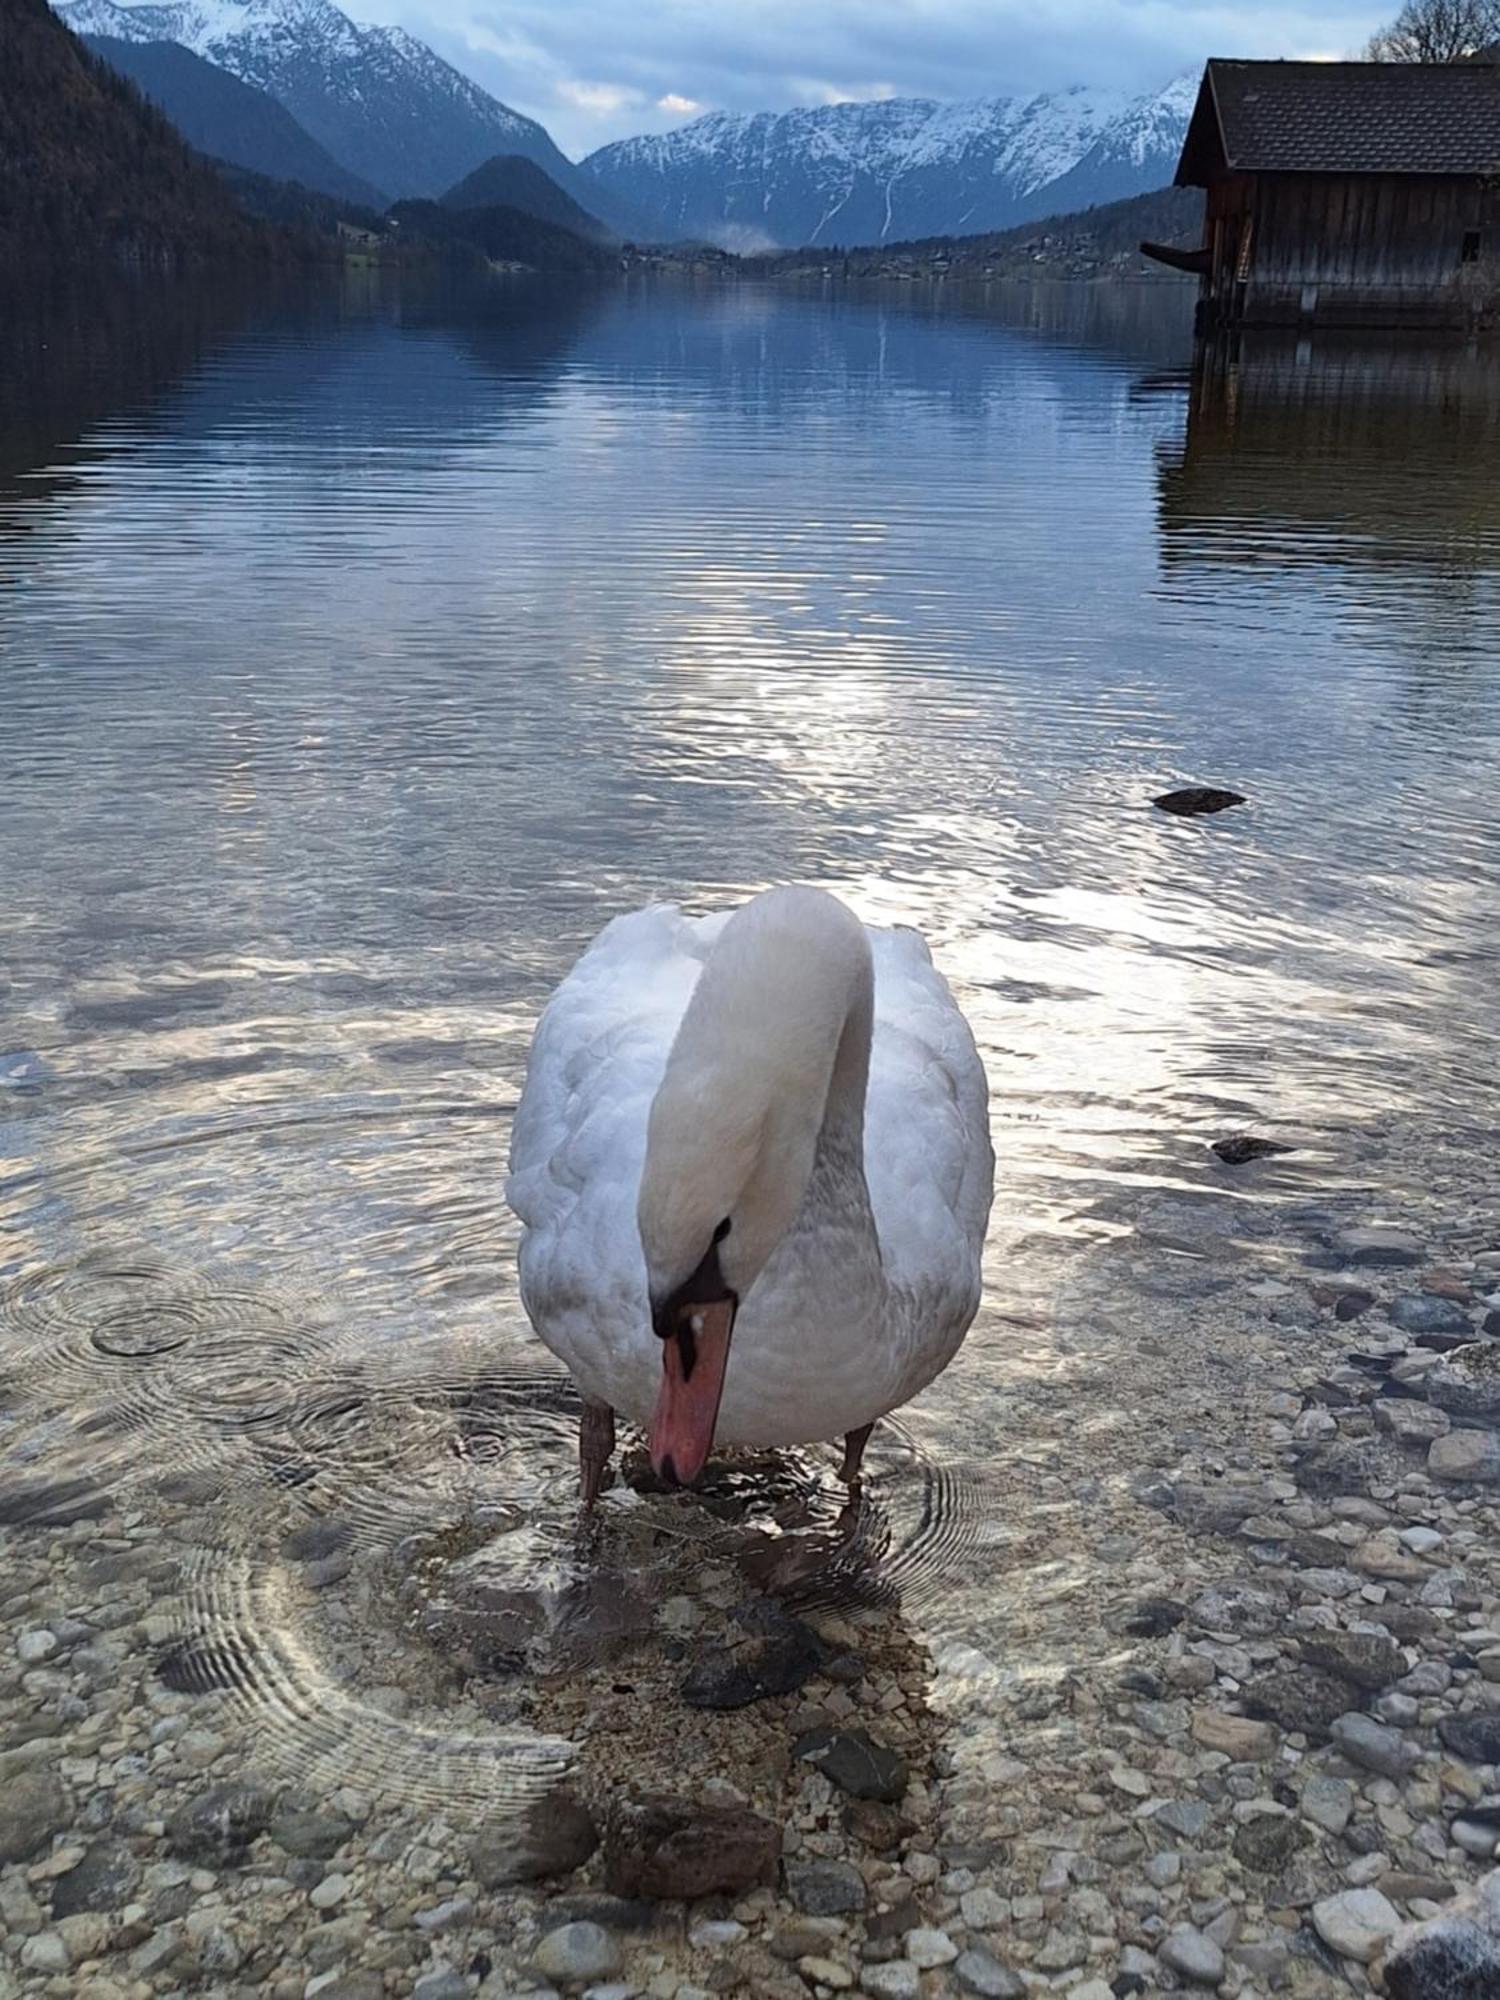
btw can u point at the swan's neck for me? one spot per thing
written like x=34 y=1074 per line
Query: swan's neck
x=758 y=1123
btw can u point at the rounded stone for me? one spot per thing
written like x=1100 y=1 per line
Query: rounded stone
x=1356 y=1923
x=1194 y=1955
x=577 y=1953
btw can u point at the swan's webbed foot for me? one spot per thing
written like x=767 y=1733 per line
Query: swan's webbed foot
x=596 y=1445
x=854 y=1451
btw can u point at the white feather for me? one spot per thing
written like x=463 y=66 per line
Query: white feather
x=860 y=1306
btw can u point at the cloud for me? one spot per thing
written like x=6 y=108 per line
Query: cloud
x=594 y=70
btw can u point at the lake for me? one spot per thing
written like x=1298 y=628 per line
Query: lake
x=361 y=653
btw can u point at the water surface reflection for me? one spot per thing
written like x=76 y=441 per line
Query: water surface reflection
x=362 y=657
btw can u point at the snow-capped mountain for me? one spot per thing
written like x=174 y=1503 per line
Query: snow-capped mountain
x=905 y=167
x=379 y=100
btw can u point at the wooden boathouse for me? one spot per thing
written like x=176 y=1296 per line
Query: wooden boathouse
x=1346 y=194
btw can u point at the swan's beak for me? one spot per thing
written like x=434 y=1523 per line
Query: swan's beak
x=693 y=1361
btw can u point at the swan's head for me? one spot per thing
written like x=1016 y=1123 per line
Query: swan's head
x=732 y=1137
x=722 y=1184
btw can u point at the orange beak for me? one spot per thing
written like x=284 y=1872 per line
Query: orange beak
x=693 y=1364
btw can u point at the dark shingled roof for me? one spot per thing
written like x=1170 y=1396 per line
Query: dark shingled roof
x=1345 y=118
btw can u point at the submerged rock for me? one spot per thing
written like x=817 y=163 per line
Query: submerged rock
x=662 y=1847
x=555 y=1836
x=856 y=1763
x=218 y=1825
x=773 y=1660
x=1242 y=1148
x=1190 y=799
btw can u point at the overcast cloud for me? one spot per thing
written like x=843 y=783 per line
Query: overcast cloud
x=594 y=70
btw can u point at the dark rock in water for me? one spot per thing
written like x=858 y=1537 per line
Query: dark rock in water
x=856 y=1763
x=772 y=1660
x=105 y=1879
x=1268 y=1844
x=555 y=1836
x=1475 y=1738
x=1444 y=1343
x=1426 y=1312
x=1189 y=799
x=1236 y=1152
x=1448 y=1959
x=218 y=1825
x=1368 y=1659
x=1349 y=1305
x=33 y=1806
x=672 y=1848
x=1298 y=1699
x=826 y=1888
x=1152 y=1617
x=310 y=1835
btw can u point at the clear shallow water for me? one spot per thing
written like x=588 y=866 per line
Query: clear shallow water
x=359 y=658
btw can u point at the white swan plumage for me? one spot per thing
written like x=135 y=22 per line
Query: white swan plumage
x=753 y=1166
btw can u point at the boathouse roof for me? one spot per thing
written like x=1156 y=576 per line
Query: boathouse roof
x=1343 y=118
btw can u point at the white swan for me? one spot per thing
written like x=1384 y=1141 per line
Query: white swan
x=770 y=1124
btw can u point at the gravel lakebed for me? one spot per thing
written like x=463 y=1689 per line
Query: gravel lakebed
x=1207 y=1697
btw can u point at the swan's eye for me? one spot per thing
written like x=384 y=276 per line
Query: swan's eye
x=722 y=1231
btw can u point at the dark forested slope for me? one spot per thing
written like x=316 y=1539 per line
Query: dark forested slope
x=89 y=171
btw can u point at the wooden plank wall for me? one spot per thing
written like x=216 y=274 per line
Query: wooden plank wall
x=1353 y=249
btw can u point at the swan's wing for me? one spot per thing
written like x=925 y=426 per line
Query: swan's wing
x=578 y=1142
x=928 y=1157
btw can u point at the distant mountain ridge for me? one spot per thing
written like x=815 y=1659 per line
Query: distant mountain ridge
x=230 y=120
x=510 y=180
x=388 y=109
x=900 y=168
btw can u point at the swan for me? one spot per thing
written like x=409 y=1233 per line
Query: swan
x=752 y=1164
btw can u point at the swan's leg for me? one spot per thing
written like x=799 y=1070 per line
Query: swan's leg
x=854 y=1451
x=596 y=1444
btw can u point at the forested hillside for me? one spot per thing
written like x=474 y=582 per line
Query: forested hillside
x=89 y=172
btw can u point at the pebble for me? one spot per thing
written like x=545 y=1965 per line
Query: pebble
x=928 y=1948
x=826 y=1888
x=1379 y=1749
x=977 y=1972
x=826 y=1972
x=1194 y=1955
x=46 y=1952
x=897 y=1980
x=577 y=1952
x=1356 y=1923
x=1475 y=1738
x=35 y=1646
x=33 y=1806
x=1234 y=1736
x=1467 y=1456
x=441 y=1983
x=1429 y=1312
x=1376 y=1244
x=330 y=1892
x=984 y=1909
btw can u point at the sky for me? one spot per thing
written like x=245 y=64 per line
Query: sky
x=595 y=70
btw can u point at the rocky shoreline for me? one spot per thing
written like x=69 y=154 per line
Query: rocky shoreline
x=1219 y=1713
